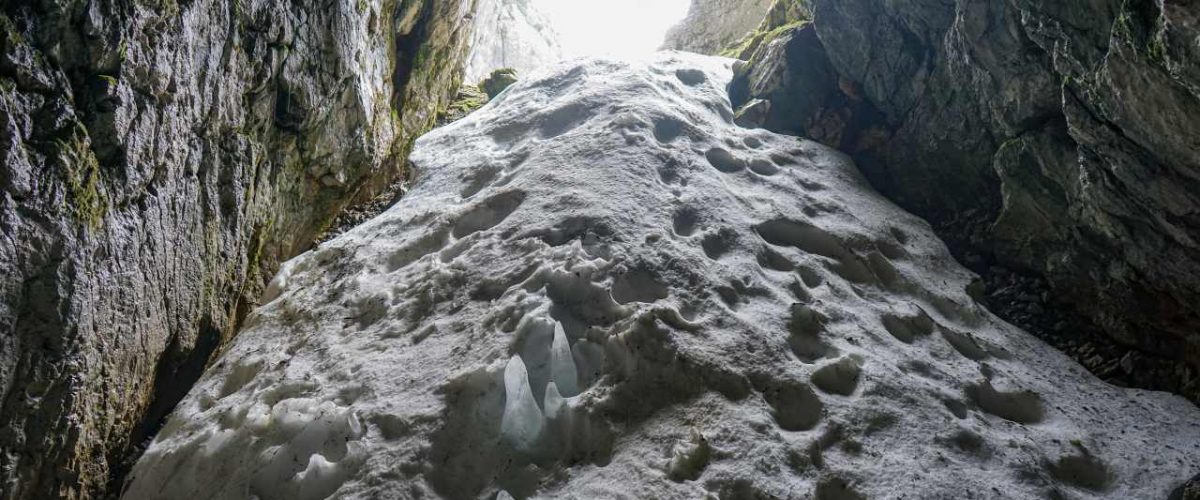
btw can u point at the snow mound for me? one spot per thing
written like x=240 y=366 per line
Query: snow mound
x=601 y=287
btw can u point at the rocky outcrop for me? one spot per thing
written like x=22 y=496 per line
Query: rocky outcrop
x=779 y=19
x=1059 y=139
x=160 y=158
x=601 y=287
x=511 y=34
x=712 y=25
x=497 y=81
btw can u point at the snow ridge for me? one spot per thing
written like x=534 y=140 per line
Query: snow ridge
x=601 y=287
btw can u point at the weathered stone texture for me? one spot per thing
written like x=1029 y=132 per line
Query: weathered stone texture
x=711 y=25
x=1059 y=138
x=159 y=159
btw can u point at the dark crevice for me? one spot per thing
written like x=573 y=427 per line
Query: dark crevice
x=372 y=199
x=1187 y=491
x=358 y=213
x=408 y=54
x=290 y=113
x=177 y=372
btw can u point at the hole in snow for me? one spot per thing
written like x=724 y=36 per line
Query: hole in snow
x=667 y=129
x=489 y=213
x=839 y=377
x=685 y=221
x=719 y=243
x=794 y=405
x=563 y=120
x=1022 y=407
x=805 y=326
x=723 y=160
x=906 y=327
x=836 y=488
x=965 y=344
x=763 y=167
x=690 y=76
x=638 y=285
x=1084 y=471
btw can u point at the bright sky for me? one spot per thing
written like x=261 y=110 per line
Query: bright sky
x=621 y=29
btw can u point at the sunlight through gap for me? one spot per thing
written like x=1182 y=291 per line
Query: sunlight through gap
x=619 y=29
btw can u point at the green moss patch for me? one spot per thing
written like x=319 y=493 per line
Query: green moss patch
x=82 y=171
x=784 y=16
x=499 y=80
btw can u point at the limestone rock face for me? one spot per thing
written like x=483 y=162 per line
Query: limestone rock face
x=1057 y=138
x=601 y=287
x=712 y=25
x=158 y=158
x=511 y=34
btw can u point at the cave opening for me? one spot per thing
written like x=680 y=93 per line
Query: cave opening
x=529 y=34
x=618 y=29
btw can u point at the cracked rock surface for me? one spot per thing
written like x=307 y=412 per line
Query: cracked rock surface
x=160 y=158
x=711 y=25
x=1060 y=140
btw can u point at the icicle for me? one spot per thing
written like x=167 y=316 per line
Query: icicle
x=522 y=422
x=554 y=403
x=559 y=423
x=562 y=364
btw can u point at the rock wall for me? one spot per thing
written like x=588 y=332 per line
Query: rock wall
x=711 y=25
x=510 y=34
x=1061 y=139
x=160 y=158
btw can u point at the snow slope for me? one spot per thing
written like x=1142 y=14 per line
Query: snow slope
x=599 y=287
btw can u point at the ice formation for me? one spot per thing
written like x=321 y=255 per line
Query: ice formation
x=562 y=365
x=600 y=287
x=522 y=423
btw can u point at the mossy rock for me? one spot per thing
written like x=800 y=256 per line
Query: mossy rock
x=468 y=99
x=783 y=16
x=785 y=12
x=82 y=174
x=496 y=82
x=747 y=47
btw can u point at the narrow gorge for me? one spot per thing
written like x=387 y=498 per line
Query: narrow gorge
x=832 y=249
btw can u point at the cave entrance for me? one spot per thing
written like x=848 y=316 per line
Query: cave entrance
x=619 y=29
x=528 y=34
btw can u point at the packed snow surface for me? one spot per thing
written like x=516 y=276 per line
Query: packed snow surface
x=600 y=287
